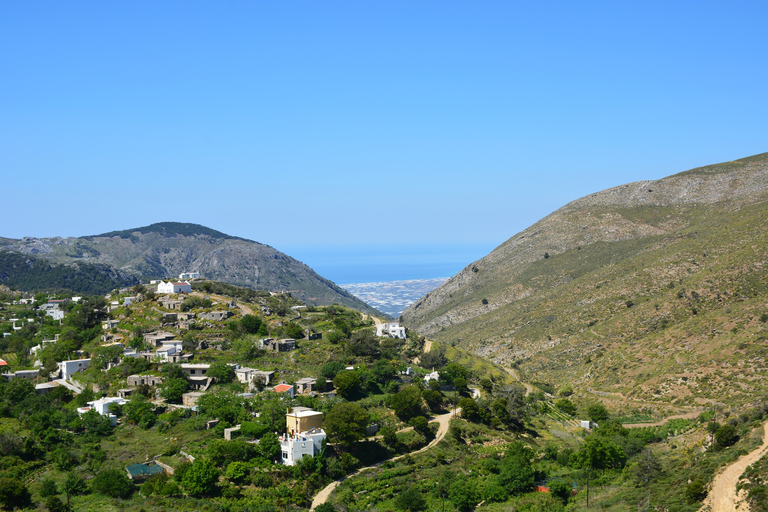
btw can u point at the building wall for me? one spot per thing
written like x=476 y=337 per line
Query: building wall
x=294 y=422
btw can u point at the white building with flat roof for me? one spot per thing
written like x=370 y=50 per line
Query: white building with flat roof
x=69 y=368
x=390 y=330
x=174 y=287
x=295 y=446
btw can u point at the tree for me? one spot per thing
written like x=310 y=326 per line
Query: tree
x=516 y=474
x=517 y=405
x=407 y=403
x=48 y=487
x=597 y=453
x=421 y=425
x=383 y=371
x=469 y=409
x=14 y=494
x=294 y=331
x=363 y=343
x=113 y=483
x=647 y=469
x=330 y=370
x=346 y=423
x=725 y=436
x=54 y=504
x=597 y=413
x=566 y=406
x=138 y=409
x=463 y=494
x=561 y=490
x=435 y=358
x=173 y=389
x=201 y=478
x=389 y=436
x=250 y=323
x=347 y=384
x=269 y=446
x=433 y=398
x=221 y=371
x=411 y=500
x=238 y=471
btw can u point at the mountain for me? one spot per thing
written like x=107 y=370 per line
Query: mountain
x=654 y=290
x=170 y=248
x=28 y=273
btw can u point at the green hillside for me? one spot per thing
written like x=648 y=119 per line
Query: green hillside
x=657 y=299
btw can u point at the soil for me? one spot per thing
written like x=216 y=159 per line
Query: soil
x=723 y=497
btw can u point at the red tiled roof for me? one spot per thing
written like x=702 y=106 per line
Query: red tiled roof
x=282 y=388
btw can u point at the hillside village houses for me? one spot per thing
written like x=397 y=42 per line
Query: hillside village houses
x=283 y=345
x=189 y=275
x=390 y=330
x=304 y=435
x=174 y=287
x=69 y=368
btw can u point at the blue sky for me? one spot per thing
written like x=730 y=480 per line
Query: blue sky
x=313 y=126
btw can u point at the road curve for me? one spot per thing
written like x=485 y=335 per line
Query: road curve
x=443 y=422
x=723 y=497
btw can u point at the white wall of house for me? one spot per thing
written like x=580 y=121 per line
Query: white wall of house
x=299 y=445
x=390 y=330
x=69 y=368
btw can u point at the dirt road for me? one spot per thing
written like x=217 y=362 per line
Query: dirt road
x=516 y=376
x=722 y=497
x=443 y=422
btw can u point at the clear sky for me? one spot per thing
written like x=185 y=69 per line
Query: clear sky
x=326 y=124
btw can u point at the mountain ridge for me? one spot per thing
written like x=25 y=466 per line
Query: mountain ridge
x=607 y=269
x=167 y=249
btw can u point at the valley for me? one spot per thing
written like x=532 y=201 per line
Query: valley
x=610 y=357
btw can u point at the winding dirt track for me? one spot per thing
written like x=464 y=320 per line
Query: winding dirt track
x=443 y=421
x=722 y=497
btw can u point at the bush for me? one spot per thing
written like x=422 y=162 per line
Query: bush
x=113 y=483
x=560 y=489
x=695 y=491
x=725 y=436
x=13 y=493
x=200 y=479
x=566 y=406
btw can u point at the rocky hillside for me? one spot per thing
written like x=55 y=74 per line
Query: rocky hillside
x=655 y=289
x=169 y=248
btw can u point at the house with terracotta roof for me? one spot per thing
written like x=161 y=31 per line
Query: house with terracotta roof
x=285 y=389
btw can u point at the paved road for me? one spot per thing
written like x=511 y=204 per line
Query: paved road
x=443 y=422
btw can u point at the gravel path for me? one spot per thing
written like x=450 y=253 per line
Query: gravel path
x=722 y=497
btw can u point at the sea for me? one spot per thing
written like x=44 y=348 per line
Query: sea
x=391 y=277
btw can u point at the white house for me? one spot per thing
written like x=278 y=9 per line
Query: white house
x=102 y=406
x=56 y=314
x=189 y=275
x=431 y=376
x=390 y=330
x=300 y=444
x=69 y=368
x=174 y=287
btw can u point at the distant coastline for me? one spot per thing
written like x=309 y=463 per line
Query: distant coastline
x=393 y=297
